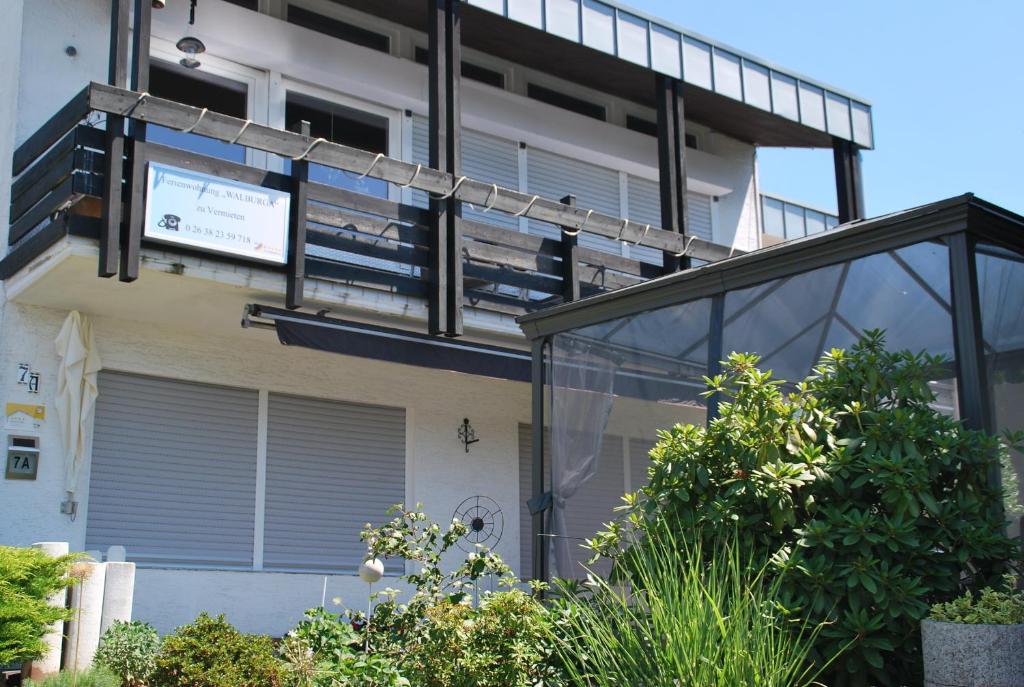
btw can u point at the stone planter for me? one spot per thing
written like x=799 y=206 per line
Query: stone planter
x=960 y=655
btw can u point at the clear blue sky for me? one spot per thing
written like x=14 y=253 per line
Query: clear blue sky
x=945 y=80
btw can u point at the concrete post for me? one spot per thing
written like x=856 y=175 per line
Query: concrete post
x=87 y=605
x=117 y=594
x=49 y=663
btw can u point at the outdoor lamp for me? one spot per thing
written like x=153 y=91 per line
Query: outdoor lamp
x=159 y=4
x=189 y=44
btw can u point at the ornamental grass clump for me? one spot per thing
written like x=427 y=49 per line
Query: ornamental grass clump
x=872 y=503
x=690 y=616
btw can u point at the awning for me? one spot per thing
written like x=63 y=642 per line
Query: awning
x=392 y=345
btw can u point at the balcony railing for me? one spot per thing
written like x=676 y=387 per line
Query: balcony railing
x=789 y=220
x=61 y=188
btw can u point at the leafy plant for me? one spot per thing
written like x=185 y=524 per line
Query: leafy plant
x=438 y=638
x=97 y=676
x=324 y=651
x=992 y=607
x=209 y=652
x=696 y=616
x=874 y=504
x=29 y=578
x=129 y=650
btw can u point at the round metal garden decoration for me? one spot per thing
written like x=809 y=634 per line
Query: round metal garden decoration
x=484 y=522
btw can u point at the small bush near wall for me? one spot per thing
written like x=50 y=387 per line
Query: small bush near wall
x=873 y=504
x=129 y=651
x=211 y=653
x=28 y=579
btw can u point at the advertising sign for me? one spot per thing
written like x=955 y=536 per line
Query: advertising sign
x=217 y=215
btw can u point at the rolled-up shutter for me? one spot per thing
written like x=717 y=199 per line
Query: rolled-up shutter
x=556 y=176
x=485 y=158
x=173 y=471
x=331 y=468
x=645 y=207
x=588 y=510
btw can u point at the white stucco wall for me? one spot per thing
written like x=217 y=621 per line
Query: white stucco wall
x=168 y=343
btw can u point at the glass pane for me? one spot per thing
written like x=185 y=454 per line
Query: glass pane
x=345 y=125
x=791 y=321
x=1001 y=295
x=794 y=222
x=198 y=89
x=773 y=219
x=614 y=384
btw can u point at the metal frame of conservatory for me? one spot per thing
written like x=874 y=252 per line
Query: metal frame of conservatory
x=960 y=223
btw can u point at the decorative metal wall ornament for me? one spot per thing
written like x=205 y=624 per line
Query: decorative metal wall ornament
x=467 y=435
x=484 y=521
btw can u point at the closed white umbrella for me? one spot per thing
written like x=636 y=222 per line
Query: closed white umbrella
x=76 y=393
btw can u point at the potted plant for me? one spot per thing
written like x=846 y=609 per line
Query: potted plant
x=976 y=641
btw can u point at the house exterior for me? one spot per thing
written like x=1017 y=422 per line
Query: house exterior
x=328 y=179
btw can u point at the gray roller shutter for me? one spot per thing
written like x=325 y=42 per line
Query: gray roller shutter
x=556 y=176
x=173 y=471
x=591 y=507
x=484 y=158
x=331 y=468
x=645 y=206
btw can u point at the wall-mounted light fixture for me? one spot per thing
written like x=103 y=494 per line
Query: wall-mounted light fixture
x=159 y=4
x=189 y=44
x=467 y=435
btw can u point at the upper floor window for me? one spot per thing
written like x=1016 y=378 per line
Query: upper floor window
x=469 y=70
x=199 y=89
x=566 y=102
x=339 y=29
x=253 y=5
x=344 y=125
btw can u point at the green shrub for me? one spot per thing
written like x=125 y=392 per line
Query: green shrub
x=96 y=676
x=324 y=651
x=211 y=653
x=28 y=578
x=992 y=607
x=878 y=504
x=438 y=638
x=691 y=619
x=129 y=651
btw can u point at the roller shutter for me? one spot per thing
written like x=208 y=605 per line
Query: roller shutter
x=484 y=158
x=331 y=467
x=639 y=462
x=645 y=207
x=556 y=176
x=173 y=471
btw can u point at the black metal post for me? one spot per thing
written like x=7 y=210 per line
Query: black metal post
x=672 y=163
x=296 y=279
x=716 y=336
x=445 y=47
x=570 y=259
x=113 y=164
x=849 y=185
x=131 y=236
x=537 y=530
x=968 y=345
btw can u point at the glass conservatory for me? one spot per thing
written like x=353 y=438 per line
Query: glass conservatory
x=947 y=278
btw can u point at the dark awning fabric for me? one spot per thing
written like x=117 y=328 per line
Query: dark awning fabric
x=395 y=345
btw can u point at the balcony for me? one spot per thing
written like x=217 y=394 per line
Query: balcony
x=62 y=188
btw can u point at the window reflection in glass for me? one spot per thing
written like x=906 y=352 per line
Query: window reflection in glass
x=199 y=89
x=1001 y=296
